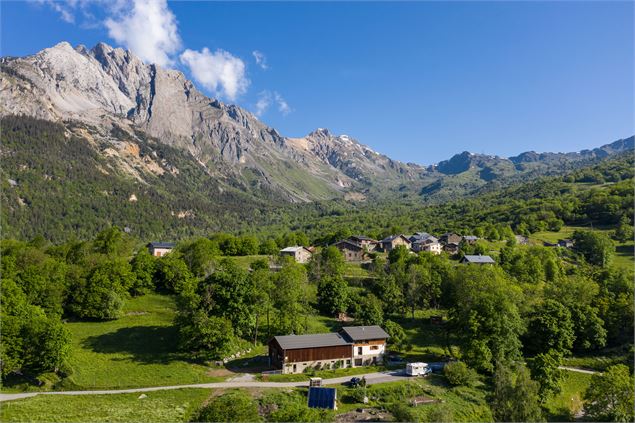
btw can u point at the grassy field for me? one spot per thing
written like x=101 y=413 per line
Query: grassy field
x=245 y=261
x=445 y=403
x=139 y=349
x=355 y=271
x=565 y=405
x=427 y=341
x=624 y=252
x=160 y=406
x=324 y=374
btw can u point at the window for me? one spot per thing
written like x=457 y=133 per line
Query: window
x=359 y=350
x=374 y=347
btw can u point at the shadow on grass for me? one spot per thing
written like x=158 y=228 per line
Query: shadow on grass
x=625 y=250
x=146 y=344
x=254 y=364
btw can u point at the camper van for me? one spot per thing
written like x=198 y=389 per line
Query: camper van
x=417 y=369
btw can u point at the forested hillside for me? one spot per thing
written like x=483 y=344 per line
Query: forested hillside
x=82 y=185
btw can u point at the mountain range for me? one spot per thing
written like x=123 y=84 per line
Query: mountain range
x=129 y=113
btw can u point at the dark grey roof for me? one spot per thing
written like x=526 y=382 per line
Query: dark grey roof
x=350 y=244
x=391 y=238
x=360 y=333
x=478 y=259
x=294 y=342
x=162 y=245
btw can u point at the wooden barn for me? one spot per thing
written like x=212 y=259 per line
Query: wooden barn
x=294 y=353
x=353 y=346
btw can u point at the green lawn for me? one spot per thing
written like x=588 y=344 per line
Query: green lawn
x=428 y=341
x=139 y=349
x=624 y=252
x=324 y=374
x=160 y=406
x=245 y=261
x=565 y=233
x=568 y=402
x=355 y=271
x=625 y=255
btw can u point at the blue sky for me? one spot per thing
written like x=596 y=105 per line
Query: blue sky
x=418 y=81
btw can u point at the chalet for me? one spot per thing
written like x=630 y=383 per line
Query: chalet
x=433 y=247
x=368 y=244
x=450 y=238
x=477 y=259
x=369 y=344
x=451 y=248
x=159 y=249
x=565 y=243
x=422 y=236
x=390 y=243
x=352 y=347
x=298 y=253
x=351 y=251
x=470 y=239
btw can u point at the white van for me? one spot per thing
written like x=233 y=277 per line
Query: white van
x=417 y=369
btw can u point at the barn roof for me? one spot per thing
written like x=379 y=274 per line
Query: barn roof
x=348 y=244
x=294 y=342
x=478 y=259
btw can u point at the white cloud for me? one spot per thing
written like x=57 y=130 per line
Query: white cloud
x=261 y=59
x=268 y=98
x=283 y=106
x=263 y=103
x=149 y=30
x=64 y=9
x=218 y=71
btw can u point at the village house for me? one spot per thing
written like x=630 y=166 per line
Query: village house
x=423 y=236
x=470 y=239
x=390 y=243
x=432 y=247
x=353 y=346
x=423 y=241
x=351 y=251
x=565 y=243
x=369 y=344
x=450 y=238
x=159 y=249
x=368 y=244
x=479 y=259
x=300 y=254
x=451 y=248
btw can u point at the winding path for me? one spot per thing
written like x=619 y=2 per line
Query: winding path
x=575 y=369
x=371 y=378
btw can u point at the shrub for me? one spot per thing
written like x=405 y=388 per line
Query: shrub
x=458 y=373
x=235 y=406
